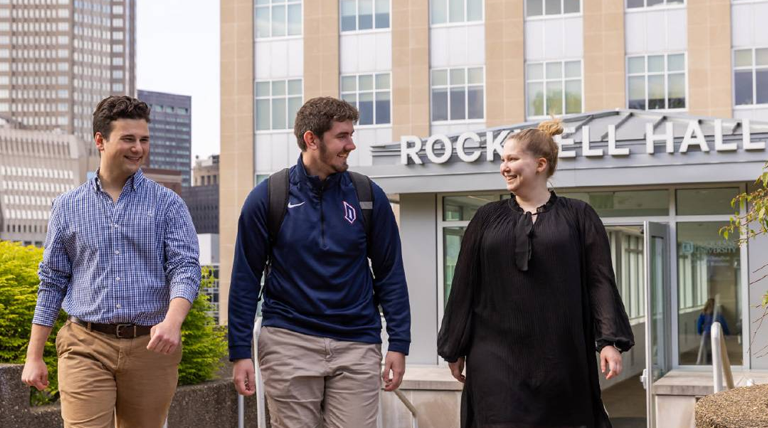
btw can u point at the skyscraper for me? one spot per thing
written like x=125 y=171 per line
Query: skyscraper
x=170 y=132
x=59 y=58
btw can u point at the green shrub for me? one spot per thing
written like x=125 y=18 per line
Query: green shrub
x=204 y=342
x=18 y=296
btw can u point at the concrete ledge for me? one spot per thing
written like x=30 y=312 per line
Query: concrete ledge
x=429 y=378
x=700 y=383
x=207 y=405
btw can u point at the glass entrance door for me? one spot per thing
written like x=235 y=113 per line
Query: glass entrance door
x=657 y=310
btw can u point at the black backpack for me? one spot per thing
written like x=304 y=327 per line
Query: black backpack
x=279 y=184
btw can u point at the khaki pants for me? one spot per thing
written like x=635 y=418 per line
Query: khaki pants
x=103 y=379
x=313 y=381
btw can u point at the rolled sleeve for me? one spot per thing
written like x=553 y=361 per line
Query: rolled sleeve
x=55 y=272
x=182 y=254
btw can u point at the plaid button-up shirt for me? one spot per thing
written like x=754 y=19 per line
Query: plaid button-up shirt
x=117 y=262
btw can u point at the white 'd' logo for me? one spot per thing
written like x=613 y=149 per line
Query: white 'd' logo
x=290 y=205
x=349 y=213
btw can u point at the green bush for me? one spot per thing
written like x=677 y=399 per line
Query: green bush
x=204 y=343
x=18 y=296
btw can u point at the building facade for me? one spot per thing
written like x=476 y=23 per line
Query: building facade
x=59 y=58
x=170 y=129
x=202 y=198
x=35 y=167
x=443 y=79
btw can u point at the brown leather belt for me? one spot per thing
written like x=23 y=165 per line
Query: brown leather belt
x=120 y=331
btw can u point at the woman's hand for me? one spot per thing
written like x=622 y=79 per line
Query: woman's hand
x=610 y=358
x=457 y=369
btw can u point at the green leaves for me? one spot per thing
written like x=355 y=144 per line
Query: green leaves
x=204 y=342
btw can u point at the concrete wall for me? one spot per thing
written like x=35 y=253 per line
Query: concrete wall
x=418 y=230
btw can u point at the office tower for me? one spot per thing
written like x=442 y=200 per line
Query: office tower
x=170 y=132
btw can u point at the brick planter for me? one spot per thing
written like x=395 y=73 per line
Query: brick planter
x=737 y=408
x=207 y=405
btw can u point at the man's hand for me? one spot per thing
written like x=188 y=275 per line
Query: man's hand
x=610 y=358
x=457 y=369
x=244 y=377
x=394 y=363
x=165 y=337
x=35 y=373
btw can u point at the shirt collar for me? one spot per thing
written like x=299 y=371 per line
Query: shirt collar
x=135 y=181
x=541 y=209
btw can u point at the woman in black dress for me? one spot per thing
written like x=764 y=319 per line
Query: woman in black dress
x=533 y=298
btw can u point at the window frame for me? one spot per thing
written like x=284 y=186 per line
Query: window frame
x=665 y=6
x=466 y=87
x=753 y=68
x=448 y=23
x=374 y=91
x=269 y=6
x=544 y=16
x=256 y=98
x=544 y=81
x=665 y=74
x=357 y=29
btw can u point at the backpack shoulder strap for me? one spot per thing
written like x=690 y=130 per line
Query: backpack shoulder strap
x=364 y=189
x=278 y=187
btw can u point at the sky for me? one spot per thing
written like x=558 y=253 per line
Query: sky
x=177 y=51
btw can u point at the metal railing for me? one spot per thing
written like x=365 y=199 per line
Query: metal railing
x=721 y=364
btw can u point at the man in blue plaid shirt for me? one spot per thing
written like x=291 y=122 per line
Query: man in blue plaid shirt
x=121 y=258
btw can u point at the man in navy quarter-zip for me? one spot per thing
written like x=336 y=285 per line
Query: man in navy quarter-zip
x=320 y=347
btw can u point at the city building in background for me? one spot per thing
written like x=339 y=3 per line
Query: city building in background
x=58 y=59
x=202 y=198
x=170 y=131
x=209 y=259
x=165 y=177
x=442 y=80
x=35 y=168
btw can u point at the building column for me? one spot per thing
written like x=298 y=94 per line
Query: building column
x=604 y=55
x=237 y=131
x=321 y=48
x=504 y=62
x=709 y=58
x=410 y=68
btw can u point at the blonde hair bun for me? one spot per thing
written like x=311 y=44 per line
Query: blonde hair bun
x=551 y=127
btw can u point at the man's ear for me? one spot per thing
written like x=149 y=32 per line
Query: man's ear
x=99 y=139
x=311 y=140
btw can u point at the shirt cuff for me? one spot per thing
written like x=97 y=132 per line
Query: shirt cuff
x=240 y=352
x=45 y=316
x=186 y=291
x=400 y=346
x=48 y=307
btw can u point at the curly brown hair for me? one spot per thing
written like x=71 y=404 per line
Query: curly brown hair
x=317 y=116
x=117 y=107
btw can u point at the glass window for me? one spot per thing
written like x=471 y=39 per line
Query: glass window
x=277 y=18
x=276 y=104
x=709 y=278
x=455 y=11
x=551 y=7
x=638 y=4
x=463 y=208
x=452 y=237
x=560 y=81
x=631 y=203
x=706 y=201
x=627 y=246
x=371 y=94
x=458 y=94
x=750 y=76
x=656 y=82
x=359 y=15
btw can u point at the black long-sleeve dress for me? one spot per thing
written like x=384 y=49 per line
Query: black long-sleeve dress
x=530 y=304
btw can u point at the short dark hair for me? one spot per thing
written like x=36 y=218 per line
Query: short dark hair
x=117 y=107
x=318 y=114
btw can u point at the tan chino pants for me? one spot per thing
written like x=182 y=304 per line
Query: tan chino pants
x=103 y=380
x=313 y=382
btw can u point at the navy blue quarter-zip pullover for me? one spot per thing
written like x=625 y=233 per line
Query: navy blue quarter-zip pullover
x=320 y=282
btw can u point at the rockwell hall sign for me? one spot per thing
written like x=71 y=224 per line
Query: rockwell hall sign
x=469 y=147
